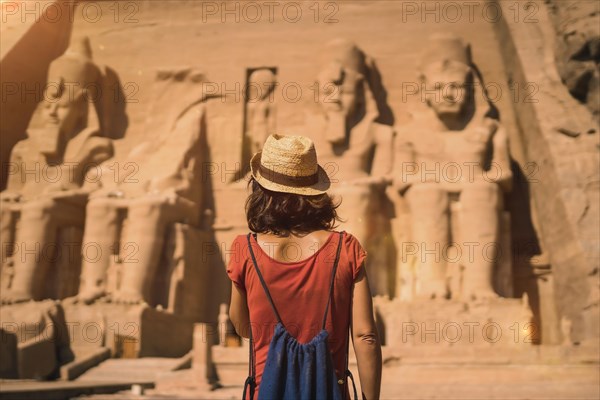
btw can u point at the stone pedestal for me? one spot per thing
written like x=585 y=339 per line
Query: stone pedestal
x=130 y=331
x=449 y=329
x=34 y=340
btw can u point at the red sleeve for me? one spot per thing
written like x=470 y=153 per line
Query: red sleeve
x=236 y=266
x=356 y=254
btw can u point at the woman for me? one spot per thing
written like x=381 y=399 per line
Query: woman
x=284 y=273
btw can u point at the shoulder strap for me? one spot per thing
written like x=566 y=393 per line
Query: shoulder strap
x=250 y=383
x=262 y=281
x=251 y=379
x=335 y=264
x=348 y=373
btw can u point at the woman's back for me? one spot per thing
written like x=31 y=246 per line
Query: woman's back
x=298 y=281
x=287 y=280
x=292 y=248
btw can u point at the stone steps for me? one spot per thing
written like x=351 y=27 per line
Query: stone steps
x=134 y=370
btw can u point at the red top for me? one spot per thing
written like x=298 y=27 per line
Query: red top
x=299 y=289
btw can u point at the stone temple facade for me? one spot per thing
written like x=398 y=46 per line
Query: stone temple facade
x=462 y=138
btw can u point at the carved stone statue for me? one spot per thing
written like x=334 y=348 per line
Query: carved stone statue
x=453 y=151
x=348 y=137
x=259 y=122
x=160 y=183
x=354 y=148
x=260 y=118
x=46 y=188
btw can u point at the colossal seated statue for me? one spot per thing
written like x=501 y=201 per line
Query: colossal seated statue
x=128 y=218
x=454 y=152
x=45 y=196
x=354 y=148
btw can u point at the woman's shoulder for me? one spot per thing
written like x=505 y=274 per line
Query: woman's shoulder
x=354 y=248
x=241 y=238
x=350 y=244
x=237 y=256
x=239 y=245
x=348 y=238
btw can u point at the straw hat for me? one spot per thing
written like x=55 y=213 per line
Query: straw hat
x=288 y=164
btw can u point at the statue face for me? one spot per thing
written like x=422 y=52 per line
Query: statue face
x=340 y=90
x=448 y=88
x=61 y=111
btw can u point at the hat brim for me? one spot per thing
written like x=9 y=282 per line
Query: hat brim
x=321 y=186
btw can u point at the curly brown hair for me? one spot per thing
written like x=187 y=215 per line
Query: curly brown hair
x=283 y=214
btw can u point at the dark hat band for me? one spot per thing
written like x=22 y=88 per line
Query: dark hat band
x=287 y=180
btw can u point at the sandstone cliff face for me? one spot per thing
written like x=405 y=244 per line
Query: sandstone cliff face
x=559 y=134
x=577 y=49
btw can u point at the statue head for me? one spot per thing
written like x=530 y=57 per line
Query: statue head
x=261 y=84
x=341 y=83
x=447 y=76
x=340 y=89
x=72 y=84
